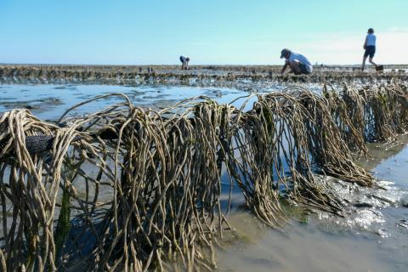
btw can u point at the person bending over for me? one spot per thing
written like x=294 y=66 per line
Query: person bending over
x=184 y=62
x=369 y=47
x=298 y=63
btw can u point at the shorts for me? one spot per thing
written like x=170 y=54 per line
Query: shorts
x=370 y=51
x=303 y=69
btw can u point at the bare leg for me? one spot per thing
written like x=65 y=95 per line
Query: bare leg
x=372 y=62
x=294 y=66
x=364 y=61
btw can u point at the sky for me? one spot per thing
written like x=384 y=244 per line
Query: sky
x=142 y=32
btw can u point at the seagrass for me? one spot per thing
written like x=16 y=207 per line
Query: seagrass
x=135 y=189
x=202 y=75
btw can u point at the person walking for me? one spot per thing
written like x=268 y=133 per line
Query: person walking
x=369 y=47
x=298 y=63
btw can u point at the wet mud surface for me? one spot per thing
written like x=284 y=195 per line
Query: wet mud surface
x=373 y=235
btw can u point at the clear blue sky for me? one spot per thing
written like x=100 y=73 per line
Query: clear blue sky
x=209 y=31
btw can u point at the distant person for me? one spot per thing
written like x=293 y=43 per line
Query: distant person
x=369 y=47
x=184 y=62
x=298 y=63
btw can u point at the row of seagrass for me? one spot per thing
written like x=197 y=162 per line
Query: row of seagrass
x=133 y=189
x=217 y=76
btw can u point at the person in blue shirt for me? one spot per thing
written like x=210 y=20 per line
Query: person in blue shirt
x=369 y=47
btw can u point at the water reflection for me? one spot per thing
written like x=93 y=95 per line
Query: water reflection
x=49 y=101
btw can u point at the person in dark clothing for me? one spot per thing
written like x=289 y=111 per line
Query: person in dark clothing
x=184 y=62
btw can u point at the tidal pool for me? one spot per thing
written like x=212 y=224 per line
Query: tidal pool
x=48 y=101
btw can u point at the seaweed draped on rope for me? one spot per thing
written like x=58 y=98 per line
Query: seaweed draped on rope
x=130 y=188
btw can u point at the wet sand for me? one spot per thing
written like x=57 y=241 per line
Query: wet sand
x=377 y=239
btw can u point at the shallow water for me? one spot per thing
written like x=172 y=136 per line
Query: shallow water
x=374 y=239
x=50 y=101
x=300 y=248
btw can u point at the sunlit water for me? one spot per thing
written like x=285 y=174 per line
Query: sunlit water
x=50 y=101
x=373 y=245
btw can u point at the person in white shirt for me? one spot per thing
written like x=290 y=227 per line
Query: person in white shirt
x=298 y=63
x=369 y=47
